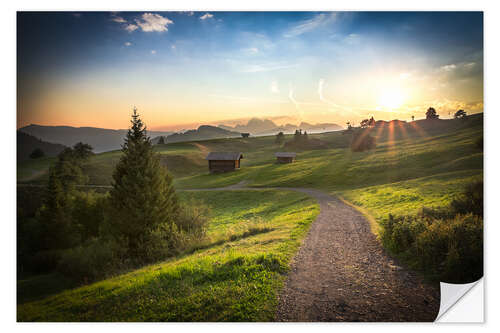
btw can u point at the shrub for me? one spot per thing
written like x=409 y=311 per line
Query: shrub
x=447 y=243
x=95 y=259
x=193 y=217
x=362 y=141
x=470 y=201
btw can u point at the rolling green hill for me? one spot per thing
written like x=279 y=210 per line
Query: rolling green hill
x=255 y=233
x=252 y=237
x=414 y=164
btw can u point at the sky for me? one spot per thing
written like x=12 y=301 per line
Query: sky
x=183 y=69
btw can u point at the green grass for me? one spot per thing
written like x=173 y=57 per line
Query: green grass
x=236 y=277
x=253 y=234
x=34 y=170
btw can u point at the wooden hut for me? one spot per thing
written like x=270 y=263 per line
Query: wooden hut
x=223 y=161
x=285 y=157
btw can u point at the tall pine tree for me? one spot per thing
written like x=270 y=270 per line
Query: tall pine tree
x=142 y=198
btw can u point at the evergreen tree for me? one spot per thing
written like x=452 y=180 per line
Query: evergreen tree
x=431 y=114
x=142 y=199
x=280 y=137
x=161 y=141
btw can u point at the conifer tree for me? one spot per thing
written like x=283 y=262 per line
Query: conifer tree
x=142 y=198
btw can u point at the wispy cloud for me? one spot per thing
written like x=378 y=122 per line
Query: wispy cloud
x=117 y=19
x=148 y=22
x=252 y=50
x=338 y=107
x=274 y=87
x=206 y=16
x=153 y=51
x=127 y=44
x=153 y=22
x=311 y=24
x=242 y=99
x=256 y=68
x=130 y=27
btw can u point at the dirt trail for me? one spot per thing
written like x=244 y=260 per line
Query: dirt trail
x=342 y=273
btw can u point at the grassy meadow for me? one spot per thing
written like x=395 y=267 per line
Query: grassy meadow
x=253 y=235
x=235 y=276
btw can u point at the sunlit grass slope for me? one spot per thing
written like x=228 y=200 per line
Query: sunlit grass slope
x=424 y=163
x=236 y=277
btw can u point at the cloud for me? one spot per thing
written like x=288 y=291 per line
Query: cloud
x=274 y=87
x=344 y=110
x=173 y=47
x=127 y=44
x=291 y=97
x=153 y=22
x=460 y=71
x=118 y=19
x=77 y=15
x=189 y=13
x=311 y=24
x=130 y=27
x=153 y=51
x=448 y=68
x=352 y=39
x=206 y=16
x=252 y=50
x=266 y=67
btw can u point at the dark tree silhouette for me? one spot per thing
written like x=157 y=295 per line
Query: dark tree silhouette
x=37 y=153
x=460 y=114
x=161 y=141
x=143 y=199
x=371 y=122
x=280 y=137
x=82 y=151
x=431 y=114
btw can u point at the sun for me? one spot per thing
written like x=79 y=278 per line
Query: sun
x=391 y=98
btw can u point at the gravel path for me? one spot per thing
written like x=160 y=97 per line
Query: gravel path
x=341 y=273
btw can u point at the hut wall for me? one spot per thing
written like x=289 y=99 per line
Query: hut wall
x=221 y=166
x=285 y=159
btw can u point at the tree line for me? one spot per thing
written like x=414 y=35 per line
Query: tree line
x=88 y=235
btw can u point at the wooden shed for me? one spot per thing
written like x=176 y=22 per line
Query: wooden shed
x=223 y=161
x=285 y=157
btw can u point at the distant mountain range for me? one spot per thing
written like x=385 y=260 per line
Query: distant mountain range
x=26 y=144
x=204 y=132
x=101 y=139
x=256 y=126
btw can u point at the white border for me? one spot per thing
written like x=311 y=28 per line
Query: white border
x=8 y=88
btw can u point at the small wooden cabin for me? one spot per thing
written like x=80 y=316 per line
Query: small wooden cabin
x=223 y=161
x=285 y=157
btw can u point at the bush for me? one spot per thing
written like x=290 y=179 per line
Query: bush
x=95 y=259
x=446 y=244
x=363 y=141
x=37 y=153
x=193 y=217
x=471 y=200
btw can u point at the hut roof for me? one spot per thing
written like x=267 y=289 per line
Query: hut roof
x=285 y=154
x=224 y=156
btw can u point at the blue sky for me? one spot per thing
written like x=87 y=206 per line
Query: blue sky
x=187 y=68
